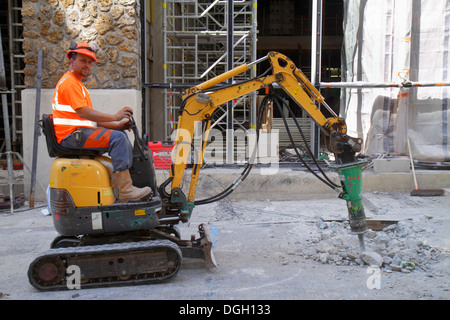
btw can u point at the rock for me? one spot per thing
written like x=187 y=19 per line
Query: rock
x=327 y=246
x=370 y=234
x=323 y=257
x=396 y=260
x=403 y=228
x=406 y=271
x=352 y=256
x=359 y=261
x=382 y=238
x=393 y=248
x=372 y=258
x=387 y=260
x=408 y=255
x=103 y=23
x=396 y=268
x=390 y=227
x=27 y=10
x=335 y=258
x=322 y=225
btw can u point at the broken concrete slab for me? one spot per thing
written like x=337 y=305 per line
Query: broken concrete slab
x=372 y=258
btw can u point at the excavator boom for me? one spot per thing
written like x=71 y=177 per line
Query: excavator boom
x=201 y=101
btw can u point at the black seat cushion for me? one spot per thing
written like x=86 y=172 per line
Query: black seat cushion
x=54 y=148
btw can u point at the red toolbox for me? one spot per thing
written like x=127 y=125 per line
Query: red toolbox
x=162 y=153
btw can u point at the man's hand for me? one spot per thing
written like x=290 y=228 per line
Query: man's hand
x=124 y=113
x=124 y=124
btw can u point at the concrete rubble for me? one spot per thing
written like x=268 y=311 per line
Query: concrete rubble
x=398 y=247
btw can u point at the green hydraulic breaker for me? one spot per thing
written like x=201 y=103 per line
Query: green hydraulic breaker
x=351 y=181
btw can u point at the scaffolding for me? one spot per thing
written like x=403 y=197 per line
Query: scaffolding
x=16 y=64
x=203 y=39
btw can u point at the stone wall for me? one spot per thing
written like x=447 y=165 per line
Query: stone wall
x=111 y=27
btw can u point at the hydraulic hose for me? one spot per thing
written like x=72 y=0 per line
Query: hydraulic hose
x=244 y=174
x=327 y=180
x=276 y=98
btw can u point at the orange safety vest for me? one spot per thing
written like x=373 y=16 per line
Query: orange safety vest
x=69 y=95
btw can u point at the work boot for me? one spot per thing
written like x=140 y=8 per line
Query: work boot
x=128 y=192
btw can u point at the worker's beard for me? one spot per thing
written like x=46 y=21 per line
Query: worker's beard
x=81 y=74
x=85 y=72
x=88 y=77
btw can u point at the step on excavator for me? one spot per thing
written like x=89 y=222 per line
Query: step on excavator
x=115 y=244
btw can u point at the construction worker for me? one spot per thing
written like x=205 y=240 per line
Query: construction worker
x=79 y=126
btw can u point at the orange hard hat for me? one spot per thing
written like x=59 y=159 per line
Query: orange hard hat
x=83 y=48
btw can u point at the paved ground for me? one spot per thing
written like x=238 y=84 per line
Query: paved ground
x=270 y=250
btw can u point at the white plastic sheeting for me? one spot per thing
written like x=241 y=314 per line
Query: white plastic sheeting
x=395 y=41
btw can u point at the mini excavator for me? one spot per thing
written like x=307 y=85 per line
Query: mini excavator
x=134 y=243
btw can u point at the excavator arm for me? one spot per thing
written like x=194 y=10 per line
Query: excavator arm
x=201 y=101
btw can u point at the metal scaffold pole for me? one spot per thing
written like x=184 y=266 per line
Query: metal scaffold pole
x=230 y=65
x=316 y=66
x=4 y=92
x=7 y=129
x=199 y=44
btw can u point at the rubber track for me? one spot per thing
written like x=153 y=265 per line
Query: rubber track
x=108 y=249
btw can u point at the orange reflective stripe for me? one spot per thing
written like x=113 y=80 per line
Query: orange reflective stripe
x=98 y=139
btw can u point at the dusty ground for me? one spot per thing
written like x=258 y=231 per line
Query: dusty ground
x=279 y=250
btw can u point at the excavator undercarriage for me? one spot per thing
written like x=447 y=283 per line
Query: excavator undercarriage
x=132 y=258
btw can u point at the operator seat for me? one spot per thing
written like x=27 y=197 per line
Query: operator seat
x=55 y=149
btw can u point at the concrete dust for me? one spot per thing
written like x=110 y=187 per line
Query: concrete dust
x=273 y=250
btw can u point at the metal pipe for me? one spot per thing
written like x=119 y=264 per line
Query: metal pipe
x=164 y=30
x=37 y=113
x=221 y=57
x=257 y=61
x=253 y=71
x=368 y=85
x=329 y=109
x=324 y=85
x=224 y=76
x=316 y=66
x=230 y=66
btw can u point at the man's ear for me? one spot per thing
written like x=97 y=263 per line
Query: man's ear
x=72 y=58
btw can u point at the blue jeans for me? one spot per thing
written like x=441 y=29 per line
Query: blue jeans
x=114 y=142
